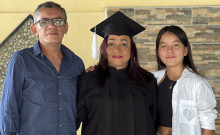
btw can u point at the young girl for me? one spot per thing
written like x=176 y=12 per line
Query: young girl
x=186 y=102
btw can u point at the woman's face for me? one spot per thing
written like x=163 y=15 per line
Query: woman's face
x=171 y=50
x=118 y=51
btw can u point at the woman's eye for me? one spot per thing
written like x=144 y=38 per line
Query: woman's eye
x=123 y=44
x=110 y=44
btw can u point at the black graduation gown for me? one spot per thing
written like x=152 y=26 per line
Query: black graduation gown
x=120 y=107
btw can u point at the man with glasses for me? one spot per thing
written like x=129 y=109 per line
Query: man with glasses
x=40 y=88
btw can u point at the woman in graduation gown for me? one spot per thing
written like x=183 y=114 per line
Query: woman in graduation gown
x=118 y=97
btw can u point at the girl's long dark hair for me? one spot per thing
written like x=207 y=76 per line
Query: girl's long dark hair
x=188 y=60
x=137 y=74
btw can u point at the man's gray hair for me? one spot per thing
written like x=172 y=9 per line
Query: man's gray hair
x=49 y=4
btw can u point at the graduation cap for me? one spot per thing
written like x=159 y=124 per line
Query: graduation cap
x=117 y=24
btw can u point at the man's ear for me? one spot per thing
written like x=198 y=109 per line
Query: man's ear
x=66 y=28
x=34 y=29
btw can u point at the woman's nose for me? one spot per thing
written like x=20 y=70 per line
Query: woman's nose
x=117 y=48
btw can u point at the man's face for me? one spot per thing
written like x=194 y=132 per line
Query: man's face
x=51 y=34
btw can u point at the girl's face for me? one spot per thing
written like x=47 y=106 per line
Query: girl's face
x=118 y=51
x=171 y=50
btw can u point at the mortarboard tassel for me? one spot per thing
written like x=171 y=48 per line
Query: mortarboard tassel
x=94 y=46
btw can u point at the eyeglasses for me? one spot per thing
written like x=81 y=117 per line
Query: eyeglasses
x=46 y=22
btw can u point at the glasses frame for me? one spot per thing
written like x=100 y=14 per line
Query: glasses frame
x=51 y=20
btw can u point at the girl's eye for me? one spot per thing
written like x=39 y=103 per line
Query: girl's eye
x=176 y=44
x=162 y=46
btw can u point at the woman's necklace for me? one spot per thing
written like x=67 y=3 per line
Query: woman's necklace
x=171 y=84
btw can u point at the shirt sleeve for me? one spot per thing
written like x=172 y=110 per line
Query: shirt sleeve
x=11 y=97
x=206 y=104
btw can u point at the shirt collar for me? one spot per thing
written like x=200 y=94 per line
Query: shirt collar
x=37 y=50
x=121 y=72
x=187 y=72
x=67 y=52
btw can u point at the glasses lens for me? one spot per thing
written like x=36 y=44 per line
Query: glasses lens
x=44 y=22
x=58 y=22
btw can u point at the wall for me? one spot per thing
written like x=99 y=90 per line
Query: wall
x=82 y=15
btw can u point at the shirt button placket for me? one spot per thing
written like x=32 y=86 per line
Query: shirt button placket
x=60 y=101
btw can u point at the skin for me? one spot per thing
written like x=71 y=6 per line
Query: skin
x=50 y=37
x=208 y=132
x=118 y=51
x=171 y=52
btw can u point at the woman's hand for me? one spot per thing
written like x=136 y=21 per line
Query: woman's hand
x=90 y=68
